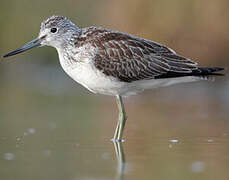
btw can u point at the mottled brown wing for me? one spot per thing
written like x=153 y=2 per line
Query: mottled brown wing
x=129 y=58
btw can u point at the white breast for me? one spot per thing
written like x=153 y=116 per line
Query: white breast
x=83 y=71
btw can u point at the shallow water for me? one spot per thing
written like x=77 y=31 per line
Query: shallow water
x=48 y=131
x=56 y=157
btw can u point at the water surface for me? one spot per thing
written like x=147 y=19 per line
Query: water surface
x=50 y=128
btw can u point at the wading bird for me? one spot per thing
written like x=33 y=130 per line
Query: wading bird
x=115 y=63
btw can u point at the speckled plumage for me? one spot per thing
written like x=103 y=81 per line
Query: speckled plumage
x=130 y=58
x=118 y=58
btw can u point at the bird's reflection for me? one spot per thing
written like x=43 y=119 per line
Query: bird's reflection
x=121 y=162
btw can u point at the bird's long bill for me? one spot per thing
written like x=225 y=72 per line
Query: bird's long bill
x=31 y=44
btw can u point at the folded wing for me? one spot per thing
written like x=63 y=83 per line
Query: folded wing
x=129 y=58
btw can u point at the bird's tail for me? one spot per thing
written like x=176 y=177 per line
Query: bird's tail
x=201 y=72
x=206 y=71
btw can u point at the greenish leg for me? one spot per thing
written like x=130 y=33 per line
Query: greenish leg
x=121 y=120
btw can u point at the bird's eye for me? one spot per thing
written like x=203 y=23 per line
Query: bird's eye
x=53 y=30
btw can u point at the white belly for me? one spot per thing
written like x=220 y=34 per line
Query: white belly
x=88 y=76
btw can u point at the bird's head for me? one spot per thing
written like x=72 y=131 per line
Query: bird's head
x=55 y=31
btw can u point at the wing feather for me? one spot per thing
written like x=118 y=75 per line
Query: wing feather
x=129 y=58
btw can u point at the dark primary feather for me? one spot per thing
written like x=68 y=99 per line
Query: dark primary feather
x=199 y=72
x=130 y=58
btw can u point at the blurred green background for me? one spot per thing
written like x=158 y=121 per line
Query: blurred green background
x=52 y=128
